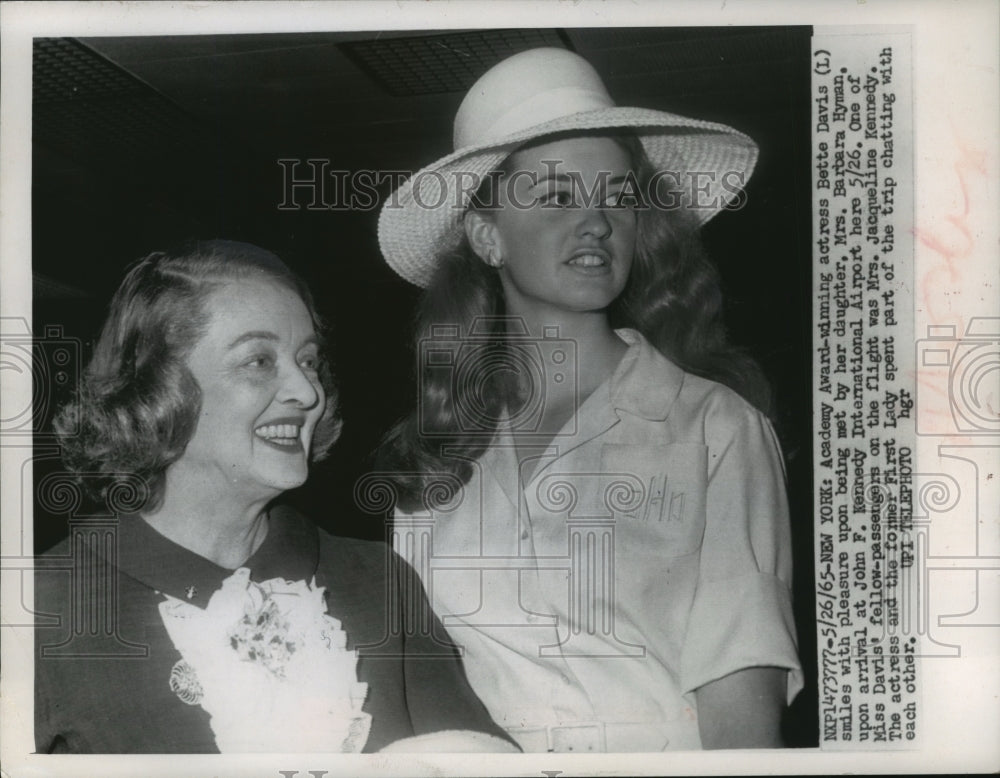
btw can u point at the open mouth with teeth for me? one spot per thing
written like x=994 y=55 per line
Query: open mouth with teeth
x=283 y=436
x=589 y=260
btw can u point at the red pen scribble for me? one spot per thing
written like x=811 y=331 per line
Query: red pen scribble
x=943 y=278
x=946 y=273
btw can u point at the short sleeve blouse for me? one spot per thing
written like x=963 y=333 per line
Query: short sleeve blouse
x=645 y=554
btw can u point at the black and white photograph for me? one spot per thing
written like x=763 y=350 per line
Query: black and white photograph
x=489 y=393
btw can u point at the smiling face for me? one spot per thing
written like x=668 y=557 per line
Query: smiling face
x=261 y=397
x=561 y=240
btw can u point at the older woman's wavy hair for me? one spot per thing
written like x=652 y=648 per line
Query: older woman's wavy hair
x=137 y=405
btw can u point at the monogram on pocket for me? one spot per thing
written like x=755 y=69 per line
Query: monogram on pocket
x=672 y=504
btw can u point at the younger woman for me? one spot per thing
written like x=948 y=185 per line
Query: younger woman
x=612 y=552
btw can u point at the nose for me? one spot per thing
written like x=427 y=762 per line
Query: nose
x=594 y=222
x=300 y=388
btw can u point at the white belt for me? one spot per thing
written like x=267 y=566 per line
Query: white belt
x=590 y=736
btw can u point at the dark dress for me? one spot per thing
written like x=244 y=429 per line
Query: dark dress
x=102 y=673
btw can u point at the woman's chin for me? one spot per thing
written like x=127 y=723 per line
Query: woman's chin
x=291 y=483
x=282 y=482
x=586 y=298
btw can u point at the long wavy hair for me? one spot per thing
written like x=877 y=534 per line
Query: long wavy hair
x=137 y=404
x=672 y=297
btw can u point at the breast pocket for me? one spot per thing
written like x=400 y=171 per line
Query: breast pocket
x=666 y=502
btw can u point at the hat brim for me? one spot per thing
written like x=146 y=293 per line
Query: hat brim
x=420 y=218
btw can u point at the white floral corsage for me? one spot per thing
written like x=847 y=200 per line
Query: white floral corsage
x=270 y=666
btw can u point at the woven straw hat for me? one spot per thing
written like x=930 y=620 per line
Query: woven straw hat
x=527 y=96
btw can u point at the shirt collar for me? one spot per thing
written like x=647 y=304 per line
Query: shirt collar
x=290 y=551
x=645 y=383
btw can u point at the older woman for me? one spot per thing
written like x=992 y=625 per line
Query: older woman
x=242 y=626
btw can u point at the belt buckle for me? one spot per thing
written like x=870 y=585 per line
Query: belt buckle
x=578 y=738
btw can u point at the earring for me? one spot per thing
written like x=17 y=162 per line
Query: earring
x=495 y=259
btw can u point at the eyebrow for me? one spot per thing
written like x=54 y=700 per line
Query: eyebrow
x=269 y=336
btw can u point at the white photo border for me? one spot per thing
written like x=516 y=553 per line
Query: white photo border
x=956 y=195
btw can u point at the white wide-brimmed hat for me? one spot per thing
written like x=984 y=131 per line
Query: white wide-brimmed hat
x=527 y=96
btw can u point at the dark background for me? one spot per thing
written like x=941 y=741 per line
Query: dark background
x=140 y=143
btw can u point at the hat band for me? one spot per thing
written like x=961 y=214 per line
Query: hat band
x=538 y=109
